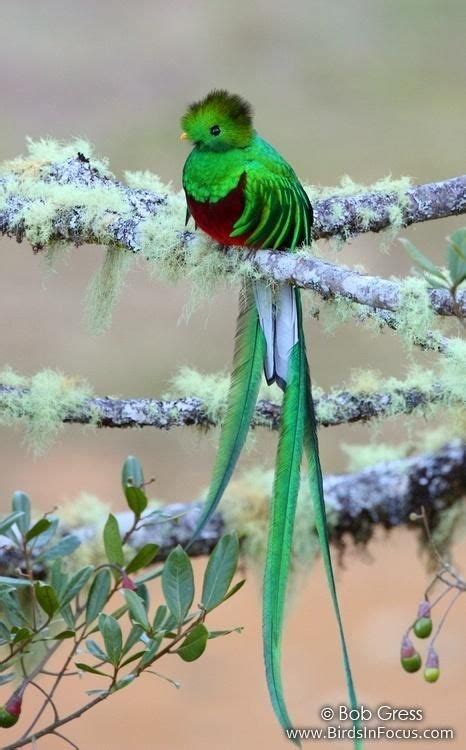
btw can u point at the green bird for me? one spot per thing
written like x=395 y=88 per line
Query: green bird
x=241 y=191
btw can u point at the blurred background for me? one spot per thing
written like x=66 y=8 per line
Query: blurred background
x=362 y=87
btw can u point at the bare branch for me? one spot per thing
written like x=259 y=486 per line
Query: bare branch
x=334 y=408
x=420 y=203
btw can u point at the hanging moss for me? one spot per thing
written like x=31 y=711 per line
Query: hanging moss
x=414 y=317
x=245 y=508
x=104 y=289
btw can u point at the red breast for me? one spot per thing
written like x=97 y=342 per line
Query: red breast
x=218 y=219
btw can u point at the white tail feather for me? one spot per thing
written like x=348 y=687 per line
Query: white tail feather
x=278 y=319
x=286 y=330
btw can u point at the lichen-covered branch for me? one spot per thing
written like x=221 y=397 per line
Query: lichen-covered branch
x=334 y=408
x=382 y=495
x=385 y=494
x=73 y=201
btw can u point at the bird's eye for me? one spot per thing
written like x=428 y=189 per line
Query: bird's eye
x=215 y=130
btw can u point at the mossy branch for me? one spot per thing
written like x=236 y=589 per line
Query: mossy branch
x=334 y=408
x=75 y=200
x=382 y=495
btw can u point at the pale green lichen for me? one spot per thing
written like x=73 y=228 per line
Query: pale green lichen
x=104 y=289
x=361 y=456
x=85 y=510
x=246 y=509
x=48 y=398
x=50 y=151
x=336 y=312
x=414 y=316
x=347 y=187
x=212 y=390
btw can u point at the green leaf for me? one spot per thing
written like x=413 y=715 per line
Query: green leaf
x=48 y=534
x=136 y=609
x=112 y=542
x=46 y=597
x=456 y=256
x=4 y=632
x=77 y=582
x=234 y=589
x=124 y=682
x=42 y=525
x=16 y=582
x=143 y=592
x=178 y=583
x=437 y=282
x=131 y=658
x=64 y=547
x=97 y=692
x=95 y=650
x=150 y=653
x=64 y=635
x=9 y=520
x=86 y=668
x=143 y=558
x=160 y=617
x=21 y=634
x=111 y=633
x=7 y=677
x=458 y=240
x=68 y=616
x=194 y=644
x=98 y=594
x=134 y=636
x=220 y=633
x=420 y=259
x=132 y=480
x=150 y=575
x=10 y=607
x=220 y=571
x=21 y=503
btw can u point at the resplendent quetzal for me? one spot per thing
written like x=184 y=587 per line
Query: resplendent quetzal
x=240 y=191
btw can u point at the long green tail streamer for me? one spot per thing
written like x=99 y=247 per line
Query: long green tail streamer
x=248 y=362
x=281 y=523
x=317 y=494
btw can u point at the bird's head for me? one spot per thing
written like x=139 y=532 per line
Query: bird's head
x=219 y=122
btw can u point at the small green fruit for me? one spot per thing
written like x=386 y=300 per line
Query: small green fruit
x=6 y=719
x=431 y=674
x=11 y=711
x=411 y=663
x=432 y=671
x=410 y=658
x=423 y=627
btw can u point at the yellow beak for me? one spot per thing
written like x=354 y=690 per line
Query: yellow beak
x=183 y=137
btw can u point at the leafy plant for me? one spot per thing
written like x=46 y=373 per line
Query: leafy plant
x=443 y=278
x=74 y=612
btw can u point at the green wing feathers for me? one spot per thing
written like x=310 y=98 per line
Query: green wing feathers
x=248 y=361
x=277 y=213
